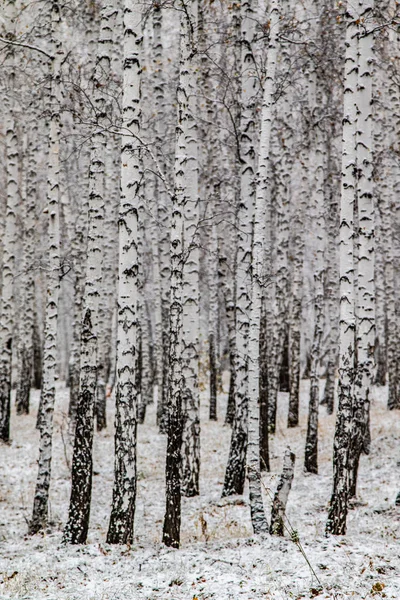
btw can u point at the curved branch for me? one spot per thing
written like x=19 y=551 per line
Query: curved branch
x=26 y=46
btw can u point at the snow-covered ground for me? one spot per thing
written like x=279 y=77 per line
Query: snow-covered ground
x=219 y=557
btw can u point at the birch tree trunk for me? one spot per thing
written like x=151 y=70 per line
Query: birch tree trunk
x=258 y=517
x=213 y=272
x=389 y=277
x=317 y=160
x=365 y=335
x=25 y=346
x=337 y=515
x=263 y=388
x=120 y=530
x=332 y=277
x=190 y=290
x=78 y=248
x=296 y=297
x=388 y=205
x=76 y=529
x=179 y=388
x=235 y=470
x=7 y=298
x=163 y=214
x=48 y=392
x=282 y=493
x=108 y=292
x=278 y=308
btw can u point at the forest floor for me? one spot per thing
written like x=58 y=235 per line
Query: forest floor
x=219 y=557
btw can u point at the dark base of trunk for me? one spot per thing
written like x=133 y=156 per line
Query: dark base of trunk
x=141 y=413
x=328 y=399
x=191 y=462
x=77 y=526
x=311 y=460
x=37 y=359
x=381 y=363
x=277 y=528
x=120 y=529
x=5 y=402
x=101 y=405
x=307 y=368
x=264 y=437
x=39 y=517
x=5 y=394
x=337 y=515
x=353 y=475
x=231 y=406
x=213 y=380
x=293 y=413
x=284 y=380
x=73 y=384
x=366 y=443
x=172 y=519
x=272 y=406
x=236 y=467
x=24 y=383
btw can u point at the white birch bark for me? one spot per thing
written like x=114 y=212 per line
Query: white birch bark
x=332 y=277
x=380 y=296
x=163 y=217
x=108 y=293
x=317 y=162
x=40 y=505
x=190 y=290
x=277 y=294
x=336 y=523
x=235 y=470
x=25 y=345
x=78 y=247
x=9 y=240
x=387 y=187
x=185 y=143
x=120 y=529
x=295 y=306
x=365 y=333
x=258 y=518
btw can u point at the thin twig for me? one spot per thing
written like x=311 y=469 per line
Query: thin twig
x=26 y=46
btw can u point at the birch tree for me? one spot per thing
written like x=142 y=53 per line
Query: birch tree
x=258 y=279
x=235 y=470
x=25 y=345
x=120 y=529
x=7 y=298
x=164 y=218
x=365 y=334
x=76 y=529
x=190 y=291
x=182 y=379
x=48 y=391
x=213 y=321
x=336 y=523
x=318 y=172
